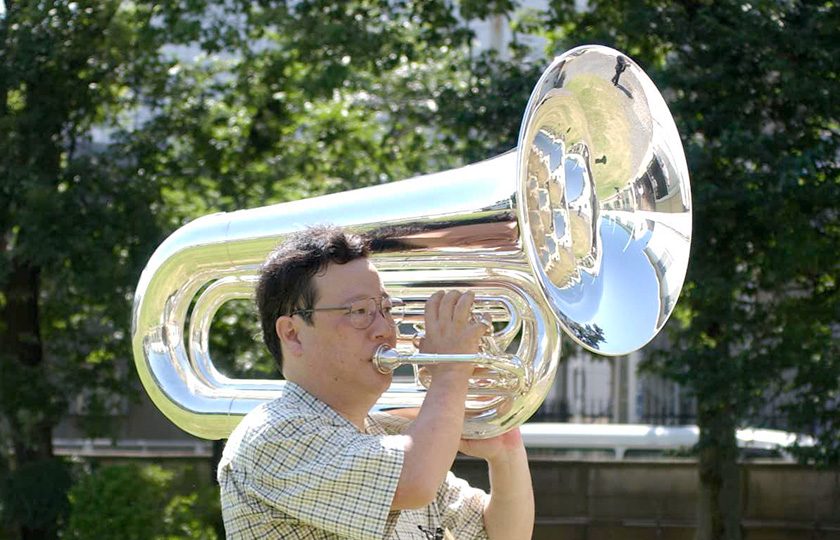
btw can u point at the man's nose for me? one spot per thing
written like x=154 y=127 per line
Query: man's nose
x=381 y=327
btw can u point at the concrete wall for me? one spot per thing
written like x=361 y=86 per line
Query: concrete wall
x=656 y=499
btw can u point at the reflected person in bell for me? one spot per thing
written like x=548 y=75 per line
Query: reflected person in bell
x=315 y=463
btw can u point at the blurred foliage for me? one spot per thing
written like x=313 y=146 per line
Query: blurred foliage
x=182 y=519
x=35 y=495
x=74 y=229
x=125 y=502
x=236 y=343
x=194 y=508
x=118 y=502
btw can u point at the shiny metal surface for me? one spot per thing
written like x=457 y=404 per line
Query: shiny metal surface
x=606 y=210
x=604 y=224
x=504 y=374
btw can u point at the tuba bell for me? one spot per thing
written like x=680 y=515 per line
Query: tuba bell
x=585 y=227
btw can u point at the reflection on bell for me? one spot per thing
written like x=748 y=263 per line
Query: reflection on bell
x=612 y=248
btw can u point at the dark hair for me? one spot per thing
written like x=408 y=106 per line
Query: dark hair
x=285 y=280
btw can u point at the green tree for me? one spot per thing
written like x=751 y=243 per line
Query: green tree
x=75 y=226
x=752 y=88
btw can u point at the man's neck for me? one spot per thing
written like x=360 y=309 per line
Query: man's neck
x=351 y=407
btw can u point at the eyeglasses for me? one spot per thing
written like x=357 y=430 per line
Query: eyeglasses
x=363 y=312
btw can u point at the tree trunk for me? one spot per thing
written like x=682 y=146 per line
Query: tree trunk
x=719 y=502
x=20 y=343
x=21 y=370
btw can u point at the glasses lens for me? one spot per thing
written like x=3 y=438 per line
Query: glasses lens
x=393 y=309
x=362 y=313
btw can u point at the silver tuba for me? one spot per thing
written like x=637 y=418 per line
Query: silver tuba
x=584 y=227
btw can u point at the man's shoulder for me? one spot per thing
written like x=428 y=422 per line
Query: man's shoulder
x=279 y=420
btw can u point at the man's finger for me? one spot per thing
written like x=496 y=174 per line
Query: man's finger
x=463 y=308
x=433 y=309
x=447 y=306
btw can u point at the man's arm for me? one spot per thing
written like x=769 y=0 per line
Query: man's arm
x=433 y=438
x=509 y=513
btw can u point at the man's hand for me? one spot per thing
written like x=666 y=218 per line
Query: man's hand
x=497 y=448
x=450 y=327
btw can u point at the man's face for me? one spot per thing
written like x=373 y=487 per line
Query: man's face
x=339 y=354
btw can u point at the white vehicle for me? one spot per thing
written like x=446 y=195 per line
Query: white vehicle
x=628 y=441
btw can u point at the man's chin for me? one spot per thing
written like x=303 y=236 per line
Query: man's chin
x=389 y=376
x=386 y=378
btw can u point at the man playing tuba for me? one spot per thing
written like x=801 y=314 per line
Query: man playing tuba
x=314 y=463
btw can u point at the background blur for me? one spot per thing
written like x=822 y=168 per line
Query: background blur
x=121 y=121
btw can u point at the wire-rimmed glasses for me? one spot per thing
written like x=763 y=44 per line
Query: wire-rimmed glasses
x=363 y=312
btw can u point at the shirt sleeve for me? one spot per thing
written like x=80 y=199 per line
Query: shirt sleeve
x=461 y=508
x=333 y=479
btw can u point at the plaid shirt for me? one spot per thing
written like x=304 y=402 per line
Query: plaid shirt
x=296 y=469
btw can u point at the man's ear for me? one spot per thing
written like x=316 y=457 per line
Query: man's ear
x=288 y=334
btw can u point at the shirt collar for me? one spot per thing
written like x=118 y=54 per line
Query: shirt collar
x=296 y=396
